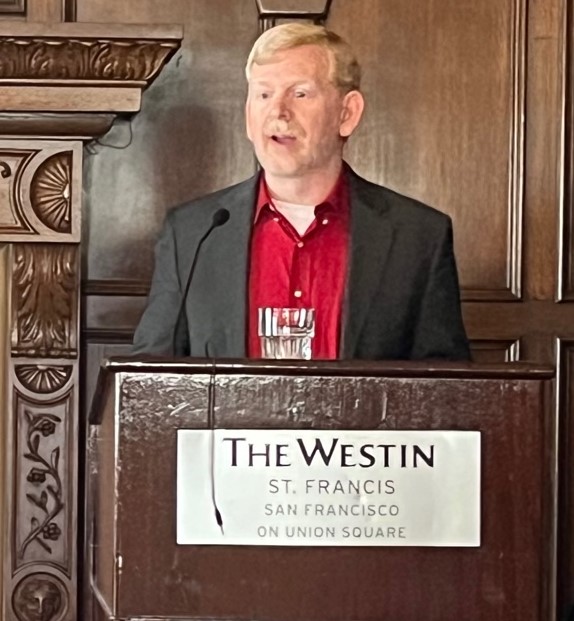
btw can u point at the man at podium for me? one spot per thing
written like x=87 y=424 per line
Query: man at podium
x=368 y=273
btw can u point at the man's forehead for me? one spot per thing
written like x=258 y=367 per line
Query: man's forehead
x=305 y=59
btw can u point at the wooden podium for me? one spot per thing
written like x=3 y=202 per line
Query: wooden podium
x=139 y=572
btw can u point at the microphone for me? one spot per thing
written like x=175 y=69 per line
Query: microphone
x=221 y=216
x=211 y=424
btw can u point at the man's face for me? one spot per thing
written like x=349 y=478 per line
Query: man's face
x=294 y=113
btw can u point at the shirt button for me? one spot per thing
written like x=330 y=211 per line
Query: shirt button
x=325 y=221
x=275 y=219
x=300 y=244
x=298 y=294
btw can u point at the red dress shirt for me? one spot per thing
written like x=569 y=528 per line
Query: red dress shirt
x=294 y=271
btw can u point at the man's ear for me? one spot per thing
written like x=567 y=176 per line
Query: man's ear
x=247 y=123
x=351 y=113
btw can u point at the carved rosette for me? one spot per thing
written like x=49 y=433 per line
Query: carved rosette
x=45 y=300
x=40 y=597
x=43 y=379
x=50 y=192
x=27 y=58
x=39 y=192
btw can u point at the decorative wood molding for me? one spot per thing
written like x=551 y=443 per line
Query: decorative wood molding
x=566 y=251
x=64 y=80
x=41 y=527
x=516 y=154
x=80 y=125
x=51 y=190
x=40 y=596
x=43 y=379
x=82 y=60
x=310 y=10
x=45 y=301
x=115 y=336
x=73 y=69
x=42 y=190
x=126 y=287
x=489 y=351
x=565 y=547
x=9 y=7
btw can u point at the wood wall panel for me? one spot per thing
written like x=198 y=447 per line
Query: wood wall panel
x=38 y=10
x=445 y=95
x=9 y=7
x=188 y=140
x=565 y=570
x=544 y=146
x=567 y=249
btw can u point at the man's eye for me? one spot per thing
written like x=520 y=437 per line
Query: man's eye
x=263 y=95
x=300 y=94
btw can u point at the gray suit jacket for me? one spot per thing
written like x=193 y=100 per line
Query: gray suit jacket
x=402 y=296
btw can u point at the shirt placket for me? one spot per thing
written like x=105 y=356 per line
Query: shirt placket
x=299 y=293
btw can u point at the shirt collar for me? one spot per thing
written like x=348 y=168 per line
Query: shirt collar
x=334 y=203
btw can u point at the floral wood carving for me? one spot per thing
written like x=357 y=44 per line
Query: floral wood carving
x=44 y=308
x=44 y=481
x=50 y=192
x=5 y=170
x=43 y=379
x=77 y=59
x=39 y=597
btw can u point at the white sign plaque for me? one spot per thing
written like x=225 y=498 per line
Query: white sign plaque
x=328 y=488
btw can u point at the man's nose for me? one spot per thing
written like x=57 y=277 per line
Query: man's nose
x=280 y=108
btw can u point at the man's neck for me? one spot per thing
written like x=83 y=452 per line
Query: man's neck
x=309 y=189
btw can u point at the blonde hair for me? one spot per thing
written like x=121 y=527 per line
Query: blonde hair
x=345 y=69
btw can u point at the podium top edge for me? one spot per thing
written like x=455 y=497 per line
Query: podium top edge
x=406 y=369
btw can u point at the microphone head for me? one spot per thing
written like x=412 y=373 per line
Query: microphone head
x=221 y=216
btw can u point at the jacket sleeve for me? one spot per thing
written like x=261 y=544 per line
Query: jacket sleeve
x=155 y=332
x=439 y=331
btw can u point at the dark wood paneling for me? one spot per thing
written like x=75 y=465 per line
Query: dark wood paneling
x=495 y=352
x=567 y=250
x=188 y=140
x=444 y=83
x=566 y=479
x=544 y=146
x=12 y=6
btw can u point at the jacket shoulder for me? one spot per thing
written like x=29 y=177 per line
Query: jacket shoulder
x=401 y=208
x=203 y=208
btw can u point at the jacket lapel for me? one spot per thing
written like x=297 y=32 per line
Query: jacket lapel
x=371 y=239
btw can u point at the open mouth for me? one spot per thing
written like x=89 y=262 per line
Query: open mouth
x=280 y=139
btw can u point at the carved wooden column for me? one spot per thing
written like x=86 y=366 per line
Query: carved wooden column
x=60 y=85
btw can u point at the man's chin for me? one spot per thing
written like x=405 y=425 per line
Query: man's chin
x=282 y=169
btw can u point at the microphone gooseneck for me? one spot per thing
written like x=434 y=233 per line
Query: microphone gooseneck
x=220 y=217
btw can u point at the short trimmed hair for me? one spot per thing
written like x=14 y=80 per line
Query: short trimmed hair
x=345 y=69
